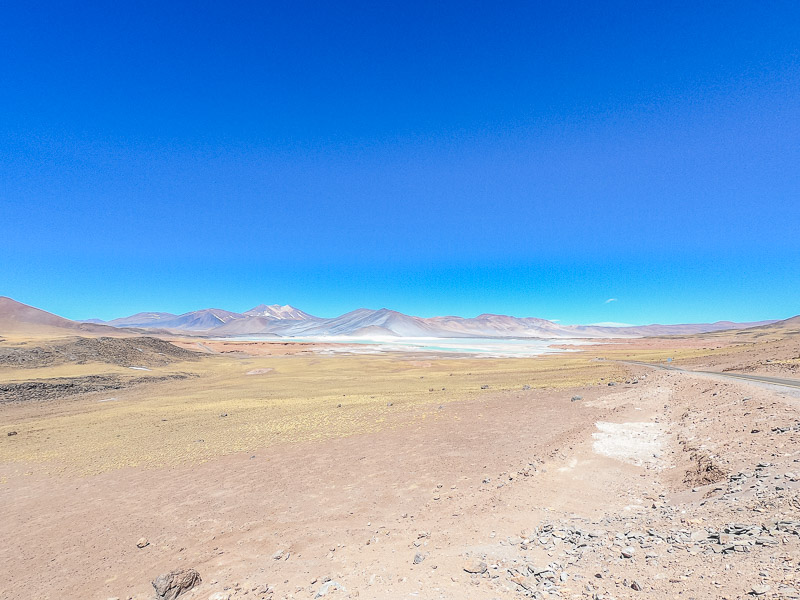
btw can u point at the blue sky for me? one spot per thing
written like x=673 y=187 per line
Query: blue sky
x=528 y=158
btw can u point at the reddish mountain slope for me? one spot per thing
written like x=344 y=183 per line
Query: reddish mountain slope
x=20 y=319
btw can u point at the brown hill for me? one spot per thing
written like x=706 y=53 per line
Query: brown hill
x=787 y=329
x=20 y=319
x=792 y=324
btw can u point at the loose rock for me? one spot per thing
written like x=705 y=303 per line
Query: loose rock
x=171 y=585
x=328 y=587
x=475 y=566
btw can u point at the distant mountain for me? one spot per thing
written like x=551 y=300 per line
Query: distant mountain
x=249 y=326
x=365 y=322
x=21 y=319
x=276 y=311
x=143 y=319
x=784 y=327
x=198 y=320
x=260 y=320
x=359 y=320
x=374 y=331
x=288 y=321
x=500 y=326
x=658 y=330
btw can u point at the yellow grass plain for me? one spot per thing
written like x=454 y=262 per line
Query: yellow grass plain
x=302 y=398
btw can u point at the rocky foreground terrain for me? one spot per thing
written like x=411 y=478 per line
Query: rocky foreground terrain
x=137 y=354
x=129 y=352
x=713 y=512
x=653 y=484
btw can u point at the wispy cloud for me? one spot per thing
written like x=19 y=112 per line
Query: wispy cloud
x=611 y=324
x=610 y=300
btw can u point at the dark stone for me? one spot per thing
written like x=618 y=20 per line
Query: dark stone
x=171 y=585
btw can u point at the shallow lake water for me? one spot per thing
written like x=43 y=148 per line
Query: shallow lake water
x=489 y=347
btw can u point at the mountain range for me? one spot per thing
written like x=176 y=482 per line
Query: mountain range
x=287 y=321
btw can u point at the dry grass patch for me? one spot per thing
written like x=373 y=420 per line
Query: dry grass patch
x=223 y=410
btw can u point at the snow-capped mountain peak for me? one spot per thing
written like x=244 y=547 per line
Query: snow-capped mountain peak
x=276 y=311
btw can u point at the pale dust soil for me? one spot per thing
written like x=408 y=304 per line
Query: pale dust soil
x=515 y=479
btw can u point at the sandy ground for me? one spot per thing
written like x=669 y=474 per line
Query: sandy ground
x=675 y=486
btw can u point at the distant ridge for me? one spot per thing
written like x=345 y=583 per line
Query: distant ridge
x=198 y=320
x=139 y=319
x=786 y=326
x=288 y=321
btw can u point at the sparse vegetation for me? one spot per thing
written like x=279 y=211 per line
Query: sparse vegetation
x=178 y=421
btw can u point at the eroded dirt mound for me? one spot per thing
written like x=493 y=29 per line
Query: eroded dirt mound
x=136 y=351
x=703 y=471
x=52 y=389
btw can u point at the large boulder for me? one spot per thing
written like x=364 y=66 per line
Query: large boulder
x=171 y=585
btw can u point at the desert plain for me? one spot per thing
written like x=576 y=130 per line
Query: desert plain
x=620 y=469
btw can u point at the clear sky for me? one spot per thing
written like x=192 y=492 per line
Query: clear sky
x=527 y=158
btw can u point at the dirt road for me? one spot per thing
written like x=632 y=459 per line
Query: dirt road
x=779 y=381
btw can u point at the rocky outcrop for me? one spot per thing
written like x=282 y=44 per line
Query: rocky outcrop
x=171 y=585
